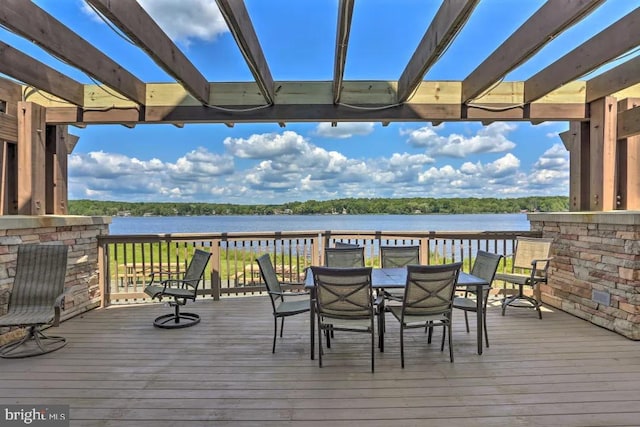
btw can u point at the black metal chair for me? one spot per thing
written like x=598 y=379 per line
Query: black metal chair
x=398 y=257
x=484 y=267
x=529 y=268
x=281 y=308
x=180 y=290
x=428 y=301
x=344 y=302
x=345 y=257
x=36 y=299
x=345 y=245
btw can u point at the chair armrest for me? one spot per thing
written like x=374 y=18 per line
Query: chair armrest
x=58 y=305
x=180 y=282
x=294 y=293
x=535 y=271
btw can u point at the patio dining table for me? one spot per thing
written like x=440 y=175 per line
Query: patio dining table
x=382 y=278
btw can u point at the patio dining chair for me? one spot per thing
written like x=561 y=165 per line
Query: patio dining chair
x=179 y=290
x=345 y=257
x=281 y=307
x=344 y=303
x=345 y=245
x=398 y=257
x=428 y=301
x=484 y=267
x=529 y=268
x=37 y=296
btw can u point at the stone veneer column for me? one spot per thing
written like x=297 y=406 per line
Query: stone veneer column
x=595 y=273
x=80 y=233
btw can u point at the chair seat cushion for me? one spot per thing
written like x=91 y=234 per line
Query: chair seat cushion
x=363 y=325
x=518 y=279
x=417 y=320
x=291 y=307
x=28 y=316
x=465 y=303
x=156 y=291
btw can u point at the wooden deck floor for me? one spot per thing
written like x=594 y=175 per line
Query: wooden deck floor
x=118 y=370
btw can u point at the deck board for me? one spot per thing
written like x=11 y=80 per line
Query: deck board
x=118 y=370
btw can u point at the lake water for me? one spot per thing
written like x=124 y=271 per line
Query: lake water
x=252 y=223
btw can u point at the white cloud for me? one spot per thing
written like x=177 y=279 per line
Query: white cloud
x=278 y=167
x=489 y=139
x=186 y=20
x=343 y=130
x=266 y=145
x=183 y=21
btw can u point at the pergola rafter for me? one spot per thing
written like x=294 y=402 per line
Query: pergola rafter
x=449 y=19
x=134 y=21
x=239 y=23
x=544 y=25
x=345 y=13
x=617 y=39
x=30 y=21
x=38 y=75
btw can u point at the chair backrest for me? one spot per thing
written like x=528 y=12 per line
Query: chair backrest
x=485 y=265
x=343 y=293
x=399 y=256
x=196 y=267
x=269 y=276
x=40 y=275
x=343 y=245
x=530 y=248
x=344 y=257
x=430 y=288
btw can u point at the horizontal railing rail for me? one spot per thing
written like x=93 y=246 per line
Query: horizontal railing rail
x=127 y=260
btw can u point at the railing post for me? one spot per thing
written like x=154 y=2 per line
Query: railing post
x=103 y=275
x=215 y=269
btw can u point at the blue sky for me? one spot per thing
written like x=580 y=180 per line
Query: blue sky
x=263 y=163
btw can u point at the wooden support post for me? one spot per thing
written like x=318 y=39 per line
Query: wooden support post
x=31 y=158
x=602 y=134
x=56 y=170
x=628 y=165
x=576 y=141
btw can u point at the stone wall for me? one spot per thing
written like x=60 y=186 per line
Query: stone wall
x=595 y=273
x=80 y=233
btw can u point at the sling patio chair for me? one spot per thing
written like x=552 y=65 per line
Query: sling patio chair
x=345 y=245
x=484 y=267
x=281 y=307
x=428 y=301
x=344 y=303
x=529 y=268
x=36 y=299
x=180 y=290
x=398 y=257
x=351 y=257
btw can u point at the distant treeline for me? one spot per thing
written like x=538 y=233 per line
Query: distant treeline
x=406 y=206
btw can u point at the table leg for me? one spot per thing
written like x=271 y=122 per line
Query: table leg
x=480 y=314
x=312 y=321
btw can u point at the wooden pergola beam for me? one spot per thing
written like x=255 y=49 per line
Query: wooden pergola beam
x=239 y=23
x=618 y=78
x=33 y=23
x=451 y=16
x=345 y=13
x=134 y=21
x=313 y=101
x=618 y=38
x=551 y=19
x=628 y=161
x=34 y=73
x=629 y=122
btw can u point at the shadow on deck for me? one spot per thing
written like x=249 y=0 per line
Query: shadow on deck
x=118 y=370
